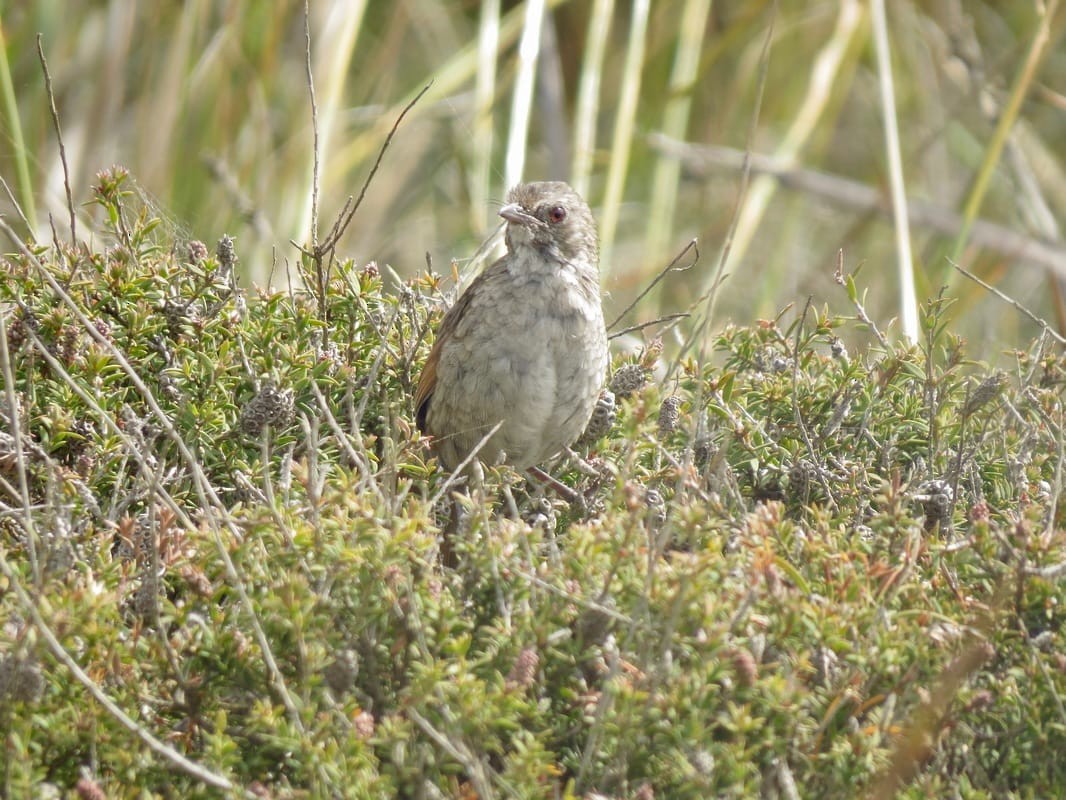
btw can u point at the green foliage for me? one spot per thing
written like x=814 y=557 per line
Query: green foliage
x=819 y=572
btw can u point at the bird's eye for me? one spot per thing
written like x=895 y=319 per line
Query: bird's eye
x=557 y=214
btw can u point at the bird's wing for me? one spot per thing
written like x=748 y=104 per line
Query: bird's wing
x=447 y=331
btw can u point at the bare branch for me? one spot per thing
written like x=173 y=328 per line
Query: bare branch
x=314 y=125
x=16 y=206
x=1008 y=299
x=342 y=224
x=703 y=159
x=197 y=771
x=641 y=325
x=59 y=137
x=671 y=267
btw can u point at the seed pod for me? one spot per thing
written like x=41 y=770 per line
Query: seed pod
x=627 y=379
x=669 y=415
x=603 y=417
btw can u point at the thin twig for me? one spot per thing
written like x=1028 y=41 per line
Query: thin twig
x=20 y=460
x=860 y=309
x=797 y=414
x=671 y=267
x=1056 y=489
x=59 y=137
x=457 y=473
x=314 y=125
x=597 y=728
x=39 y=455
x=269 y=498
x=360 y=459
x=321 y=276
x=15 y=204
x=371 y=377
x=197 y=771
x=342 y=224
x=206 y=493
x=570 y=495
x=642 y=325
x=475 y=769
x=1008 y=299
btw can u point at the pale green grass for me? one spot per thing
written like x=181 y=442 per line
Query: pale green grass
x=207 y=104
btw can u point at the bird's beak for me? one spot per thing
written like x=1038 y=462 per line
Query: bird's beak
x=513 y=212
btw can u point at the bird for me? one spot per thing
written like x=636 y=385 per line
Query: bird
x=524 y=348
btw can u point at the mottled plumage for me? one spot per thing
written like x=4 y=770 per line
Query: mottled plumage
x=525 y=344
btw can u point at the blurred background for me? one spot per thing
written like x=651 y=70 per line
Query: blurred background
x=647 y=107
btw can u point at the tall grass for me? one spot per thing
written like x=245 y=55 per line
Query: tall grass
x=207 y=104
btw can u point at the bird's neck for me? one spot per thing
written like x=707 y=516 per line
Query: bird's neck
x=527 y=259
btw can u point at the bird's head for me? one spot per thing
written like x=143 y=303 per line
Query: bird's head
x=551 y=218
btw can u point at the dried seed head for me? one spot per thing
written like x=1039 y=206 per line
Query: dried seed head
x=135 y=540
x=839 y=351
x=669 y=414
x=703 y=451
x=938 y=500
x=197 y=580
x=341 y=673
x=770 y=359
x=330 y=354
x=628 y=379
x=826 y=666
x=603 y=417
x=272 y=406
x=179 y=314
x=980 y=512
x=703 y=762
x=89 y=789
x=197 y=251
x=19 y=331
x=69 y=344
x=524 y=672
x=226 y=252
x=84 y=464
x=103 y=328
x=168 y=387
x=985 y=392
x=146 y=599
x=540 y=514
x=800 y=475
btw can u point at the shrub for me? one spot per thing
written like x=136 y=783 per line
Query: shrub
x=791 y=571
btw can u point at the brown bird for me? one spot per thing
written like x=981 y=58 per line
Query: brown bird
x=525 y=345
